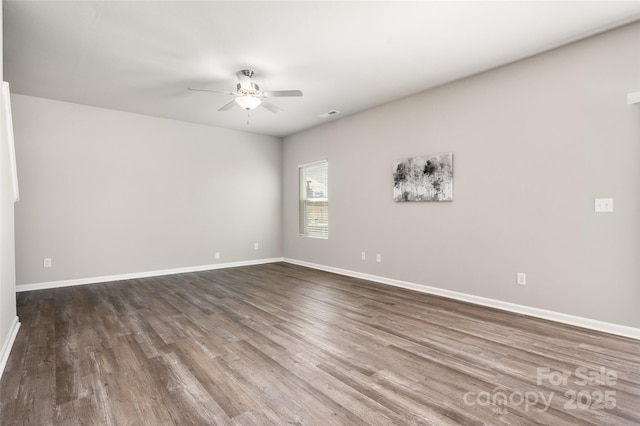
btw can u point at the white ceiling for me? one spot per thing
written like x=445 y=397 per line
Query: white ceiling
x=141 y=56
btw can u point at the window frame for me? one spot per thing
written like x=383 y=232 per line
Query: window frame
x=304 y=201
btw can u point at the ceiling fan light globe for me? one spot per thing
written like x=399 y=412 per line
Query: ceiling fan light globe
x=248 y=102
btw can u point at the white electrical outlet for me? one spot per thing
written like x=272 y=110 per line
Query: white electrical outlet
x=604 y=205
x=363 y=256
x=521 y=278
x=217 y=255
x=378 y=257
x=46 y=263
x=256 y=246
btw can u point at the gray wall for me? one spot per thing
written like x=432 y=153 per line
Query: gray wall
x=107 y=193
x=534 y=143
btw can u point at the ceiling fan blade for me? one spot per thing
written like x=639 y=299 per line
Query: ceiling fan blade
x=228 y=106
x=244 y=77
x=271 y=107
x=281 y=93
x=198 y=89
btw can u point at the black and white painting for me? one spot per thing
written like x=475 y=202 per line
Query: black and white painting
x=424 y=178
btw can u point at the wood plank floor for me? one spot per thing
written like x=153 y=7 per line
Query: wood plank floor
x=285 y=345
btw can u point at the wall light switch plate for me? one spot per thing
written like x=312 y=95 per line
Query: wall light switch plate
x=604 y=205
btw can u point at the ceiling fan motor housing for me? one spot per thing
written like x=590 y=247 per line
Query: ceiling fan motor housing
x=255 y=89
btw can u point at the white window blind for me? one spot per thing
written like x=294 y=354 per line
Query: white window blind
x=314 y=199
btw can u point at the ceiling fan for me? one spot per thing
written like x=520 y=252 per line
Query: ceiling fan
x=248 y=94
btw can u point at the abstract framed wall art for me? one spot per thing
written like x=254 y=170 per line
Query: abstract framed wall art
x=424 y=178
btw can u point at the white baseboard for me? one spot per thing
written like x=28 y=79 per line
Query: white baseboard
x=591 y=324
x=135 y=275
x=8 y=344
x=588 y=323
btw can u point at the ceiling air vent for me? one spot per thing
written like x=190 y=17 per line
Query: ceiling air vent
x=330 y=113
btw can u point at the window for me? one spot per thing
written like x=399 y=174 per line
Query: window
x=314 y=199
